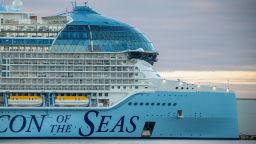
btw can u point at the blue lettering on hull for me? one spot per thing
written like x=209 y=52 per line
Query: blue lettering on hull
x=20 y=124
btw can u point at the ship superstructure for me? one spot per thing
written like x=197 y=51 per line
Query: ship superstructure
x=95 y=77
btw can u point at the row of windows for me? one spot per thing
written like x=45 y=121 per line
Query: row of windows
x=68 y=82
x=67 y=42
x=100 y=48
x=38 y=94
x=73 y=35
x=26 y=41
x=93 y=57
x=30 y=99
x=85 y=28
x=183 y=88
x=151 y=104
x=53 y=87
x=34 y=48
x=58 y=87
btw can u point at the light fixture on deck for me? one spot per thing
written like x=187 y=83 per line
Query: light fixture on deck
x=180 y=82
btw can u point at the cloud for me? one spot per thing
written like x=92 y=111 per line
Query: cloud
x=243 y=83
x=189 y=35
x=221 y=77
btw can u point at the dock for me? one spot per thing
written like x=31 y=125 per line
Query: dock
x=246 y=109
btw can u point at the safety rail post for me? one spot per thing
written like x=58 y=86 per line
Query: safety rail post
x=48 y=99
x=53 y=99
x=90 y=100
x=5 y=100
x=43 y=99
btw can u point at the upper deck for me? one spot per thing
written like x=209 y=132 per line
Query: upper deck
x=76 y=54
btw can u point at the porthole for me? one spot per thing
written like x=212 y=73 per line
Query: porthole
x=135 y=103
x=141 y=104
x=174 y=104
x=147 y=104
x=177 y=88
x=129 y=103
x=158 y=104
x=182 y=88
x=163 y=104
x=169 y=104
x=152 y=104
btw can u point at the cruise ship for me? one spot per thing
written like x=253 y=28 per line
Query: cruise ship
x=79 y=74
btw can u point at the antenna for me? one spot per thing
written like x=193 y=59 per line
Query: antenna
x=228 y=84
x=74 y=4
x=85 y=3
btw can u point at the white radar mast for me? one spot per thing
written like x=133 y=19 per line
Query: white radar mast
x=17 y=4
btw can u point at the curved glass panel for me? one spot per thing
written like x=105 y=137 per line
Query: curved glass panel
x=84 y=38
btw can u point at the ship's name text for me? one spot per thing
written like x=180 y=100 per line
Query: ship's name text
x=92 y=122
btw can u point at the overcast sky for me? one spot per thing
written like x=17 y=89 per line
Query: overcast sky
x=188 y=34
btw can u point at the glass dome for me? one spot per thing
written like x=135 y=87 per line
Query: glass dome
x=89 y=31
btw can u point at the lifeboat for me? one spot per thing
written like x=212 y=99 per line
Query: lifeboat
x=78 y=101
x=32 y=101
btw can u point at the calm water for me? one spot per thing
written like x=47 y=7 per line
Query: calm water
x=103 y=141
